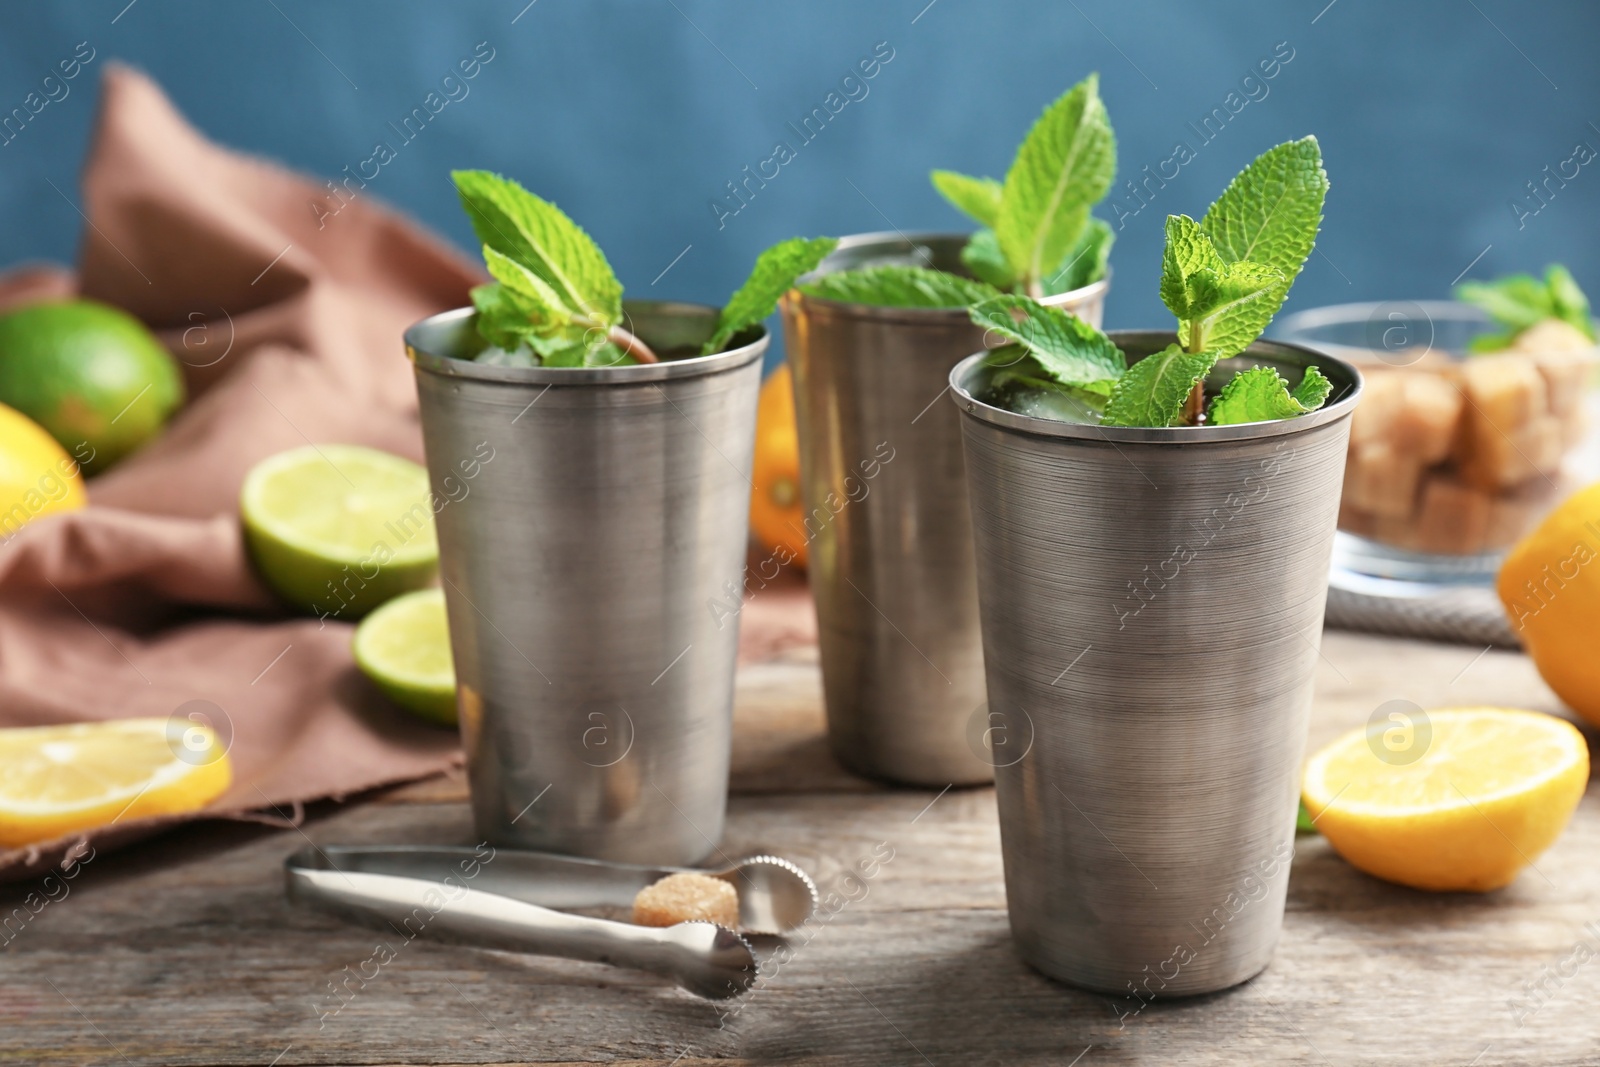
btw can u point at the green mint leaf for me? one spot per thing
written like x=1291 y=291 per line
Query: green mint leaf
x=982 y=256
x=542 y=304
x=535 y=234
x=773 y=275
x=1018 y=383
x=1261 y=394
x=901 y=287
x=1515 y=302
x=503 y=319
x=1231 y=307
x=1085 y=262
x=1270 y=212
x=1313 y=390
x=976 y=197
x=1153 y=391
x=1267 y=216
x=1066 y=348
x=1188 y=261
x=1064 y=167
x=1570 y=305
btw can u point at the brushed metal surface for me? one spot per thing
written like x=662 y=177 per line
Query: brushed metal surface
x=1152 y=609
x=582 y=566
x=891 y=565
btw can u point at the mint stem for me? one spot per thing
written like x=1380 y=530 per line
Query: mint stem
x=624 y=340
x=631 y=344
x=1195 y=406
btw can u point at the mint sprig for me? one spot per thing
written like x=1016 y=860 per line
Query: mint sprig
x=1222 y=298
x=1519 y=301
x=1065 y=165
x=556 y=302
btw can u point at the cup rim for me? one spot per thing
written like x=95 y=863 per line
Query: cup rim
x=889 y=242
x=1153 y=341
x=426 y=339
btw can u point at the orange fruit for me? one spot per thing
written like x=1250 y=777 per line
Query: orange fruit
x=777 y=515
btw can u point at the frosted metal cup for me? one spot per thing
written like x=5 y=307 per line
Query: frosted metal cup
x=890 y=556
x=1152 y=609
x=583 y=565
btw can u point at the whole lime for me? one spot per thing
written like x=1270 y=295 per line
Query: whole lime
x=90 y=374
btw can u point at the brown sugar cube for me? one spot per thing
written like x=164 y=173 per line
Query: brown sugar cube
x=1503 y=459
x=1398 y=532
x=1574 y=427
x=1453 y=518
x=1354 y=520
x=1381 y=481
x=1513 y=514
x=1503 y=392
x=1382 y=394
x=1568 y=376
x=683 y=897
x=1424 y=428
x=1552 y=335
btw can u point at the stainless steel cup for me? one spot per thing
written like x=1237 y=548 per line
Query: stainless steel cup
x=890 y=557
x=588 y=566
x=1152 y=610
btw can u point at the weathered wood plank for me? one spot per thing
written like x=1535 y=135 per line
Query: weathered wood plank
x=183 y=951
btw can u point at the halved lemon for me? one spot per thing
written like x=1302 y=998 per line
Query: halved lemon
x=1492 y=790
x=57 y=780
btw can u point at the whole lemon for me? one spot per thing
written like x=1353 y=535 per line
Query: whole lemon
x=37 y=476
x=1550 y=585
x=90 y=374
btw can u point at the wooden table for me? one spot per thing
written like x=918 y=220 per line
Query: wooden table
x=183 y=950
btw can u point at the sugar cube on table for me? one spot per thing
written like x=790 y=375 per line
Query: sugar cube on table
x=687 y=896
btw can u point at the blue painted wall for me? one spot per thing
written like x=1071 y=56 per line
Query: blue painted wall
x=634 y=114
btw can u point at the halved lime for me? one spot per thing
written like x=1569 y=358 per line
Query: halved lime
x=404 y=647
x=339 y=529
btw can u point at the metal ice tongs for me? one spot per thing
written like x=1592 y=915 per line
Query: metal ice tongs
x=507 y=899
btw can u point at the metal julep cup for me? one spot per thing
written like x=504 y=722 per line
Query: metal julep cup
x=582 y=566
x=1152 y=609
x=890 y=557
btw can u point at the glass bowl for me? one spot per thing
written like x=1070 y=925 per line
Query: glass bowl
x=1453 y=457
